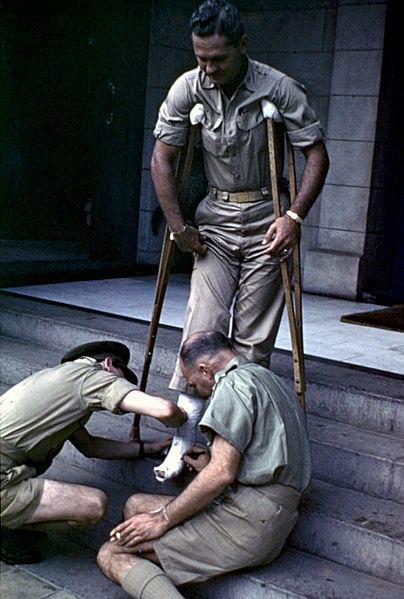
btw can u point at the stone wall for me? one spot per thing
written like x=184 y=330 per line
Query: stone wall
x=333 y=265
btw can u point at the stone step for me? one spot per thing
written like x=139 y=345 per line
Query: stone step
x=353 y=529
x=355 y=420
x=334 y=521
x=357 y=396
x=343 y=455
x=356 y=458
x=296 y=574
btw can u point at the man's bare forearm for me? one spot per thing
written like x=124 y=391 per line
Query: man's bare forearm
x=162 y=409
x=162 y=166
x=313 y=178
x=162 y=169
x=209 y=484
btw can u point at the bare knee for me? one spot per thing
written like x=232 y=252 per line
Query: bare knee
x=114 y=563
x=95 y=509
x=104 y=558
x=99 y=506
x=135 y=504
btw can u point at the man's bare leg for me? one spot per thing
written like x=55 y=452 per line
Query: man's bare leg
x=62 y=507
x=75 y=505
x=138 y=576
x=139 y=503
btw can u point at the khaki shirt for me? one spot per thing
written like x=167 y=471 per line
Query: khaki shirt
x=254 y=411
x=234 y=135
x=41 y=412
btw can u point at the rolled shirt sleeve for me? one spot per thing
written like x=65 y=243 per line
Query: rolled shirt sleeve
x=173 y=119
x=300 y=120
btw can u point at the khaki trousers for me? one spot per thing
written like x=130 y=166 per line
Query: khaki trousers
x=244 y=528
x=235 y=288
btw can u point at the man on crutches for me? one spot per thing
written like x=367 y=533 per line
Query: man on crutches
x=239 y=243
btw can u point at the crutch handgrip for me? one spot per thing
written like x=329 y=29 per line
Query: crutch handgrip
x=270 y=111
x=197 y=113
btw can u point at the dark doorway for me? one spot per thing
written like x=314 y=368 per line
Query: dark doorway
x=75 y=77
x=384 y=278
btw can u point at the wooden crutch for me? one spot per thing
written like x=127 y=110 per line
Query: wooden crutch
x=182 y=176
x=294 y=309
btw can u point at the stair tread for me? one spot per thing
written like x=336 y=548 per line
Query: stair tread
x=352 y=438
x=355 y=419
x=358 y=510
x=374 y=382
x=353 y=508
x=295 y=574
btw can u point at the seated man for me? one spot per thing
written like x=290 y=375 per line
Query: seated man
x=43 y=411
x=240 y=508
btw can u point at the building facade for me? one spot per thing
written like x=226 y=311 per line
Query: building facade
x=83 y=84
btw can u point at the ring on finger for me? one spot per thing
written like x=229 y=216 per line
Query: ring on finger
x=285 y=251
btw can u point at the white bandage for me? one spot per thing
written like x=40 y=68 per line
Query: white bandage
x=196 y=114
x=184 y=438
x=270 y=111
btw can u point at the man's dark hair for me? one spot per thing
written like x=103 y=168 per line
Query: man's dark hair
x=218 y=17
x=204 y=343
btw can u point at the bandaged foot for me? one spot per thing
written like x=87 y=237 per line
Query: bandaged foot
x=184 y=438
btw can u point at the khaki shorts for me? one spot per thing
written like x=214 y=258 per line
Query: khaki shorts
x=247 y=527
x=20 y=501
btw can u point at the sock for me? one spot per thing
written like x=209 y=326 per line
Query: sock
x=184 y=438
x=145 y=580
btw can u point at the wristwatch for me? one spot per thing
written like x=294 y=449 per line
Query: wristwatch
x=175 y=234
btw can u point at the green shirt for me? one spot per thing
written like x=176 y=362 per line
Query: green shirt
x=254 y=411
x=42 y=411
x=234 y=134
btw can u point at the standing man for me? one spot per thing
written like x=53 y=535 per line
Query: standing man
x=238 y=245
x=242 y=505
x=48 y=408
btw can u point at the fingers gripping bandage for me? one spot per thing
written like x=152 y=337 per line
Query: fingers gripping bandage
x=184 y=438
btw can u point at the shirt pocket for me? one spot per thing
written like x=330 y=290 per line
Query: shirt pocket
x=212 y=132
x=252 y=127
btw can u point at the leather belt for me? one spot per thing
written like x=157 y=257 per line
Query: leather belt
x=241 y=196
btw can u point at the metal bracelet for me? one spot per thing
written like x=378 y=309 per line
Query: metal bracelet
x=165 y=515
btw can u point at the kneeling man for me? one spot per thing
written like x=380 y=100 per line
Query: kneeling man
x=42 y=412
x=242 y=505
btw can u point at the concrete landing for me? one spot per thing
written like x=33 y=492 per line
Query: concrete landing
x=325 y=336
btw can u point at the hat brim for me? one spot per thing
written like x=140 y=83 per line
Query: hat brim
x=100 y=350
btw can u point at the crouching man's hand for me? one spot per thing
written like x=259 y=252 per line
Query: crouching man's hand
x=196 y=459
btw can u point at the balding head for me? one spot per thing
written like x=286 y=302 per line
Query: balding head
x=202 y=355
